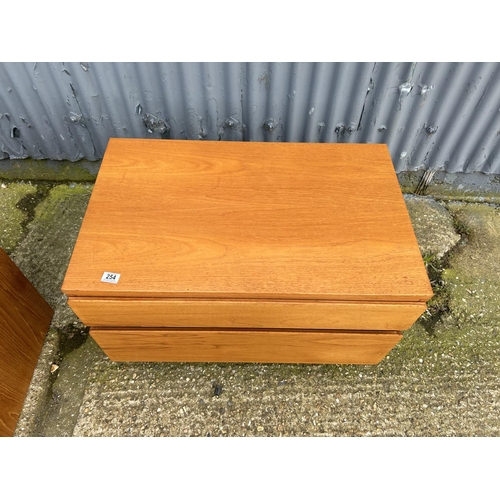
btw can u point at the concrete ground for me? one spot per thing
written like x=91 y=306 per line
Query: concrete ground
x=442 y=379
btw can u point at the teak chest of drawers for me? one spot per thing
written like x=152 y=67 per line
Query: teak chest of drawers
x=246 y=252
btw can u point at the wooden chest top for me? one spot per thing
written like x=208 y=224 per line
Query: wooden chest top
x=196 y=219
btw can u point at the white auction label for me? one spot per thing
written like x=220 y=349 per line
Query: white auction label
x=110 y=277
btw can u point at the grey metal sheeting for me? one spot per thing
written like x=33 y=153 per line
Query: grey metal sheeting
x=439 y=116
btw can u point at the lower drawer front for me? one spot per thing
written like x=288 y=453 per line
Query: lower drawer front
x=245 y=346
x=266 y=314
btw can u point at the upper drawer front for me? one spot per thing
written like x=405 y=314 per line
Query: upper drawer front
x=246 y=314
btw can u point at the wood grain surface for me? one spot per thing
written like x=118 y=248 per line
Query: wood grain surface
x=247 y=220
x=245 y=346
x=246 y=314
x=24 y=321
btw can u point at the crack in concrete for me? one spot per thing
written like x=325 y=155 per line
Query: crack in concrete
x=439 y=305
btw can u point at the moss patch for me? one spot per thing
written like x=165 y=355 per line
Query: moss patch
x=44 y=254
x=474 y=274
x=13 y=217
x=49 y=170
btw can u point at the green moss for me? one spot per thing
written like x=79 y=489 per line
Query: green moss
x=57 y=196
x=49 y=170
x=477 y=257
x=13 y=216
x=470 y=279
x=459 y=222
x=44 y=253
x=29 y=202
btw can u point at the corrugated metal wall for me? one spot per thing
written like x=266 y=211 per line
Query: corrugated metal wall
x=443 y=116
